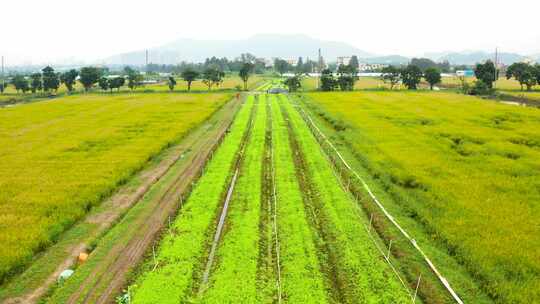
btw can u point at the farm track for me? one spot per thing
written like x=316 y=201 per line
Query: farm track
x=37 y=282
x=107 y=279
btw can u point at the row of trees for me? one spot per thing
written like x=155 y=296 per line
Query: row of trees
x=222 y=64
x=410 y=76
x=526 y=74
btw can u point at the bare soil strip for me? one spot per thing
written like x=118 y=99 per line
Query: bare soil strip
x=36 y=282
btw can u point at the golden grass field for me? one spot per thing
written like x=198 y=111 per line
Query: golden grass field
x=61 y=157
x=466 y=168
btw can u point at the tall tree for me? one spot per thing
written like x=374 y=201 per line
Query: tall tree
x=411 y=76
x=189 y=75
x=103 y=83
x=89 y=76
x=524 y=73
x=50 y=79
x=537 y=73
x=171 y=82
x=245 y=73
x=68 y=79
x=432 y=76
x=391 y=75
x=281 y=66
x=212 y=76
x=486 y=72
x=293 y=83
x=116 y=83
x=20 y=83
x=347 y=76
x=36 y=84
x=134 y=77
x=354 y=62
x=328 y=82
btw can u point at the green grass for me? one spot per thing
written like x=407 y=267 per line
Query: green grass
x=183 y=249
x=61 y=157
x=298 y=253
x=463 y=167
x=361 y=272
x=234 y=279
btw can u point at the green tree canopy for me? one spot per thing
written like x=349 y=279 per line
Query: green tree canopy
x=411 y=76
x=347 y=76
x=432 y=76
x=293 y=83
x=68 y=79
x=20 y=83
x=89 y=76
x=328 y=81
x=281 y=66
x=171 y=82
x=486 y=72
x=189 y=75
x=212 y=76
x=391 y=75
x=524 y=73
x=245 y=73
x=103 y=83
x=116 y=83
x=36 y=84
x=50 y=79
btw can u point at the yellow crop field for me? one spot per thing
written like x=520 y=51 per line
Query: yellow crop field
x=61 y=157
x=466 y=168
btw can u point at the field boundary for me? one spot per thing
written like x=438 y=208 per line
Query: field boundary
x=324 y=139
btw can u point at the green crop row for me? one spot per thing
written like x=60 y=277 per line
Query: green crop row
x=301 y=276
x=183 y=247
x=234 y=279
x=360 y=271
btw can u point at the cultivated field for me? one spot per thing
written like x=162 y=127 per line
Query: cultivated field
x=62 y=157
x=466 y=168
x=270 y=194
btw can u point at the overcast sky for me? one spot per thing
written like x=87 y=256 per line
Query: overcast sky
x=37 y=31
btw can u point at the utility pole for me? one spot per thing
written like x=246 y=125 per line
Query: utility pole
x=3 y=78
x=496 y=76
x=319 y=68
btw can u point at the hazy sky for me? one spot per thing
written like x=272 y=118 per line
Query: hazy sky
x=40 y=31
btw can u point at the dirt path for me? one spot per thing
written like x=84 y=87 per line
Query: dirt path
x=112 y=209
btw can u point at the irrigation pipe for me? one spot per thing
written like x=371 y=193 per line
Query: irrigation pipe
x=274 y=195
x=443 y=280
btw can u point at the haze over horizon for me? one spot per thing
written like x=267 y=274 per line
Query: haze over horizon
x=45 y=32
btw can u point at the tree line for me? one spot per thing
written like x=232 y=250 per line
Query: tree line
x=49 y=81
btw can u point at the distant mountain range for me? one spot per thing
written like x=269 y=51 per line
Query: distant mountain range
x=276 y=45
x=264 y=45
x=470 y=58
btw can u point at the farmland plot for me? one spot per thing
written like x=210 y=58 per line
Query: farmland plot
x=268 y=222
x=63 y=156
x=473 y=187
